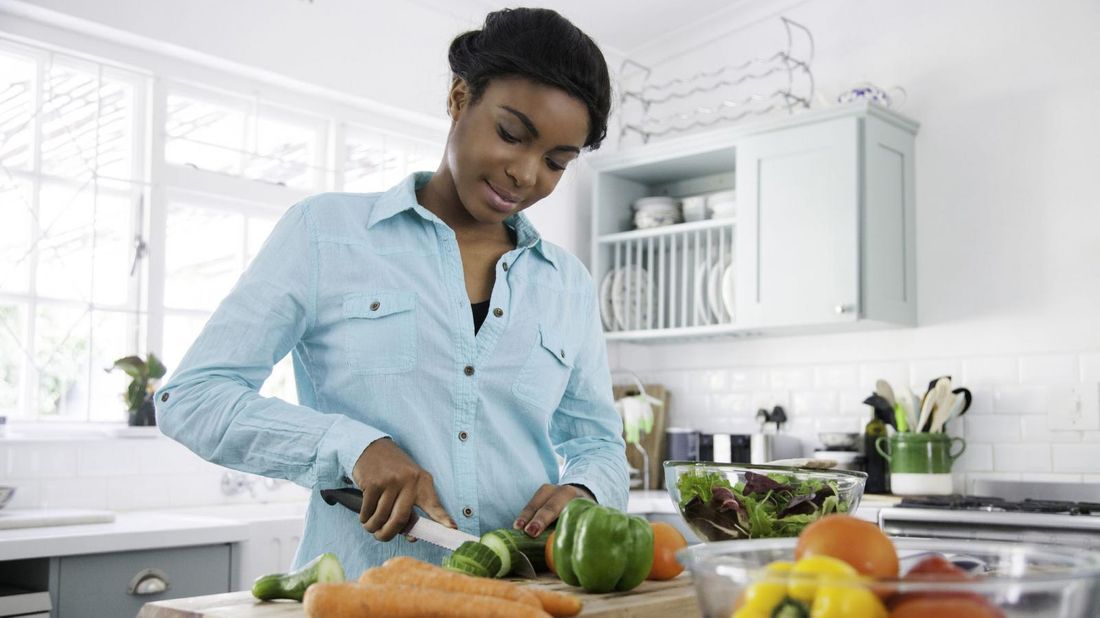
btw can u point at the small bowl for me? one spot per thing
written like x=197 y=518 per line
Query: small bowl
x=839 y=441
x=823 y=492
x=1021 y=580
x=6 y=494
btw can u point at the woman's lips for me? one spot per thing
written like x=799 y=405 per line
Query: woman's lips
x=500 y=202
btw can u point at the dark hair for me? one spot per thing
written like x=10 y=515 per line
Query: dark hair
x=541 y=45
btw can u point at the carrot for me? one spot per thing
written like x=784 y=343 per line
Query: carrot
x=557 y=604
x=406 y=571
x=351 y=600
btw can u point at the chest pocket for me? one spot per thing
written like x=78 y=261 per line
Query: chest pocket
x=380 y=332
x=542 y=380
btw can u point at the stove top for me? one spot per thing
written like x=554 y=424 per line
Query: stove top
x=958 y=502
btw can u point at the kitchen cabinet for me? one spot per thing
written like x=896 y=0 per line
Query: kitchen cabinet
x=823 y=236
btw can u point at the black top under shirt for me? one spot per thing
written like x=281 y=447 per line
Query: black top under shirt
x=481 y=311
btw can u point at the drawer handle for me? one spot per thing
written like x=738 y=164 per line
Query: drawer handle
x=148 y=581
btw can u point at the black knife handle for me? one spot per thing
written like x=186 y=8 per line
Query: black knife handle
x=349 y=497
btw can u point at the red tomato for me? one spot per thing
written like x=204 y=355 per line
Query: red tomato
x=936 y=568
x=857 y=542
x=946 y=607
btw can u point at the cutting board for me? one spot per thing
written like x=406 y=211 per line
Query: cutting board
x=653 y=442
x=36 y=518
x=674 y=598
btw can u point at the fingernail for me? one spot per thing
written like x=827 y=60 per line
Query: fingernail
x=520 y=523
x=533 y=528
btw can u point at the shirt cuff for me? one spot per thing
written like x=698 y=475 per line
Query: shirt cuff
x=343 y=444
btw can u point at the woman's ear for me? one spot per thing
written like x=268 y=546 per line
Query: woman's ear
x=458 y=98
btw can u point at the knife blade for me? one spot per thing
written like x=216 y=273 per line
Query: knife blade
x=422 y=528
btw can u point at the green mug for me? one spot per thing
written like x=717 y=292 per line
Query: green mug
x=920 y=453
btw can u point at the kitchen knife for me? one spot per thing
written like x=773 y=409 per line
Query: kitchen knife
x=422 y=528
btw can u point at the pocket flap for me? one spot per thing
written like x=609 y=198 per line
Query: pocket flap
x=378 y=304
x=556 y=345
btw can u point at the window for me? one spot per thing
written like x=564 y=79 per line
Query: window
x=85 y=189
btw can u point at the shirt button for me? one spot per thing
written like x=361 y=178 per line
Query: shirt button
x=504 y=265
x=498 y=312
x=468 y=512
x=375 y=305
x=562 y=353
x=462 y=435
x=469 y=370
x=164 y=397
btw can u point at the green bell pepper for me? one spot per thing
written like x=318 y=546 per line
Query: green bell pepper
x=601 y=549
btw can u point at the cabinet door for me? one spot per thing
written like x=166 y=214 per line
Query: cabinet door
x=798 y=226
x=98 y=585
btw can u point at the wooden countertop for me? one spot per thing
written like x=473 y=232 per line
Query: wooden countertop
x=675 y=597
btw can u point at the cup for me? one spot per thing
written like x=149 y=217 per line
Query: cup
x=920 y=463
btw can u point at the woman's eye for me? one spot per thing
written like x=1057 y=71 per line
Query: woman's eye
x=554 y=165
x=506 y=136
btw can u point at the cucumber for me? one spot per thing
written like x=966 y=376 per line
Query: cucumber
x=508 y=543
x=473 y=558
x=323 y=568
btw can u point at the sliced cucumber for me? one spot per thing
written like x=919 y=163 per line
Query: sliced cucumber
x=323 y=568
x=508 y=544
x=473 y=558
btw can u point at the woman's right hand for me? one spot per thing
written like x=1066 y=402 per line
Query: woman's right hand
x=392 y=484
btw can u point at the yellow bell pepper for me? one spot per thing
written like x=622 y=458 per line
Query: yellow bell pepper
x=817 y=587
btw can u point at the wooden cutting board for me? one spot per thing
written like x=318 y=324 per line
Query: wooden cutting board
x=650 y=600
x=653 y=442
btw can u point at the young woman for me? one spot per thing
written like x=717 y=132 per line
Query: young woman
x=443 y=352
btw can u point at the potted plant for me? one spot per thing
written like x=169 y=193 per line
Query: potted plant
x=139 y=395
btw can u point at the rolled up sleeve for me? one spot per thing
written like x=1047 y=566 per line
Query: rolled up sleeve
x=211 y=404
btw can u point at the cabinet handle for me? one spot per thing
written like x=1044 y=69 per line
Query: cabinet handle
x=148 y=582
x=842 y=309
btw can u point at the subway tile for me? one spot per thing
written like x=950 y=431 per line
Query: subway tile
x=813 y=403
x=1082 y=458
x=976 y=458
x=839 y=425
x=981 y=400
x=28 y=494
x=1021 y=457
x=991 y=370
x=770 y=399
x=1049 y=369
x=195 y=489
x=896 y=373
x=1090 y=367
x=709 y=381
x=106 y=458
x=748 y=379
x=42 y=460
x=80 y=493
x=1020 y=399
x=791 y=378
x=992 y=428
x=731 y=404
x=850 y=403
x=1035 y=428
x=675 y=381
x=836 y=376
x=166 y=457
x=143 y=492
x=924 y=371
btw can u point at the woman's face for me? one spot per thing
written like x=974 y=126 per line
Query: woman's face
x=509 y=149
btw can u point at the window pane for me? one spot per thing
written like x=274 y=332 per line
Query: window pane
x=69 y=122
x=65 y=241
x=281 y=381
x=13 y=354
x=202 y=256
x=111 y=339
x=113 y=248
x=61 y=358
x=366 y=163
x=284 y=154
x=180 y=331
x=258 y=231
x=204 y=135
x=17 y=77
x=15 y=234
x=116 y=123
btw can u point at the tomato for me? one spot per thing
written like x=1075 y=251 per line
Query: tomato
x=667 y=540
x=548 y=553
x=857 y=542
x=946 y=607
x=936 y=568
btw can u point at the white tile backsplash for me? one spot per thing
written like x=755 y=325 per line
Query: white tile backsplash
x=106 y=459
x=47 y=459
x=1049 y=369
x=1083 y=458
x=991 y=370
x=791 y=378
x=1022 y=457
x=992 y=428
x=85 y=493
x=976 y=458
x=1090 y=367
x=1020 y=399
x=748 y=379
x=836 y=376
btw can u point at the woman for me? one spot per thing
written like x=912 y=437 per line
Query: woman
x=409 y=387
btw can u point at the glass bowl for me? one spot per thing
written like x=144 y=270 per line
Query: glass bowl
x=759 y=510
x=1020 y=580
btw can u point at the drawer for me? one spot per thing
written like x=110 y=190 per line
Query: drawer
x=98 y=585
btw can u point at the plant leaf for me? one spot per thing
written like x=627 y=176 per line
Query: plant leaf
x=132 y=365
x=156 y=368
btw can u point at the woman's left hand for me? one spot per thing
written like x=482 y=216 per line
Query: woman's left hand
x=546 y=505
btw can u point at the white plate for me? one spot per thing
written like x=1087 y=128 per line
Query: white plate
x=702 y=312
x=728 y=290
x=631 y=309
x=607 y=310
x=714 y=289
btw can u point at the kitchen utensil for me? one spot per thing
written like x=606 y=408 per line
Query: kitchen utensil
x=901 y=422
x=965 y=392
x=882 y=387
x=419 y=527
x=936 y=395
x=912 y=411
x=883 y=409
x=939 y=420
x=1019 y=580
x=700 y=517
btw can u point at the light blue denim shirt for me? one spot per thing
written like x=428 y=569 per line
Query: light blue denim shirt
x=367 y=292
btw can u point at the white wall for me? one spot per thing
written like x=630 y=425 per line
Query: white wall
x=1008 y=231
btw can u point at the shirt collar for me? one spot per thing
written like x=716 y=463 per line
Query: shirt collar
x=402 y=197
